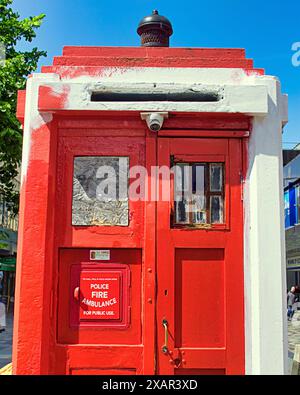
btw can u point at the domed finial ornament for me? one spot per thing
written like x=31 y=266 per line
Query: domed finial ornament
x=155 y=30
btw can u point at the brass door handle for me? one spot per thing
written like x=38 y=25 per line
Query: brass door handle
x=164 y=348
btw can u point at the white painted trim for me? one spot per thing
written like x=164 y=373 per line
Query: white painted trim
x=246 y=99
x=185 y=75
x=264 y=263
x=32 y=118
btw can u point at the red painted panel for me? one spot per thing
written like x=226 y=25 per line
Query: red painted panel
x=51 y=101
x=202 y=271
x=199 y=298
x=191 y=147
x=32 y=337
x=87 y=60
x=92 y=61
x=102 y=372
x=95 y=61
x=202 y=133
x=112 y=357
x=21 y=105
x=200 y=372
x=125 y=266
x=149 y=52
x=130 y=236
x=131 y=123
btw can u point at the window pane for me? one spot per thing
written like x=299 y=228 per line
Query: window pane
x=199 y=209
x=179 y=181
x=189 y=193
x=216 y=177
x=199 y=179
x=100 y=195
x=198 y=205
x=198 y=193
x=182 y=212
x=180 y=193
x=216 y=209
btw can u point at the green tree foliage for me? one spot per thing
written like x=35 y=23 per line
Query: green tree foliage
x=3 y=236
x=13 y=72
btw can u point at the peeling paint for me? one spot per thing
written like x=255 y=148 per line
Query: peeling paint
x=33 y=121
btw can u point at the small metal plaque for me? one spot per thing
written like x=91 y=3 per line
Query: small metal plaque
x=100 y=255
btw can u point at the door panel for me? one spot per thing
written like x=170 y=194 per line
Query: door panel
x=199 y=281
x=200 y=372
x=200 y=317
x=99 y=345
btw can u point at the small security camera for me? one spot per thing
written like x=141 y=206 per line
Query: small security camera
x=154 y=120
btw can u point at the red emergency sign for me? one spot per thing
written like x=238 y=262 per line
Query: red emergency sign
x=99 y=295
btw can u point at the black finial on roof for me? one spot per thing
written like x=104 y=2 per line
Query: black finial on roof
x=155 y=30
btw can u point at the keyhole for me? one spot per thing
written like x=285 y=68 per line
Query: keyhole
x=177 y=362
x=166 y=292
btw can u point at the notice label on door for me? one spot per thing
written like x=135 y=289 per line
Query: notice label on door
x=99 y=255
x=100 y=295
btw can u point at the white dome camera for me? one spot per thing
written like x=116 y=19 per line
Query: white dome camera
x=154 y=120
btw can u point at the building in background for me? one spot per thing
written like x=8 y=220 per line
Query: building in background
x=291 y=174
x=8 y=251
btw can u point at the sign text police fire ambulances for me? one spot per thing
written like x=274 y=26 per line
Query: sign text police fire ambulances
x=100 y=296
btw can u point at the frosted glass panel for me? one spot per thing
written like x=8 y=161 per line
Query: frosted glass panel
x=100 y=195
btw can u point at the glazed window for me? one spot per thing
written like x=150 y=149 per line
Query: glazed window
x=198 y=194
x=298 y=204
x=100 y=191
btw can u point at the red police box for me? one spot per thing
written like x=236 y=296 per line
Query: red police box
x=166 y=293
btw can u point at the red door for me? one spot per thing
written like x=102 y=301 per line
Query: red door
x=99 y=244
x=200 y=319
x=174 y=265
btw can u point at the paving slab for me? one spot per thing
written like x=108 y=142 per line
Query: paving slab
x=6 y=342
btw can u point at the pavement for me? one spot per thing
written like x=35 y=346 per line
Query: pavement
x=293 y=336
x=6 y=342
x=6 y=339
x=294 y=332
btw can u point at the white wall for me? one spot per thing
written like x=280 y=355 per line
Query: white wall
x=265 y=278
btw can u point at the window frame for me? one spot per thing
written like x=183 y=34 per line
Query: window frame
x=206 y=160
x=128 y=200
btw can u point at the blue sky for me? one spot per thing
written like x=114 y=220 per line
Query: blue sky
x=267 y=29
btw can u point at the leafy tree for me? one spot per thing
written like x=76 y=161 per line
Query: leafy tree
x=3 y=236
x=13 y=72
